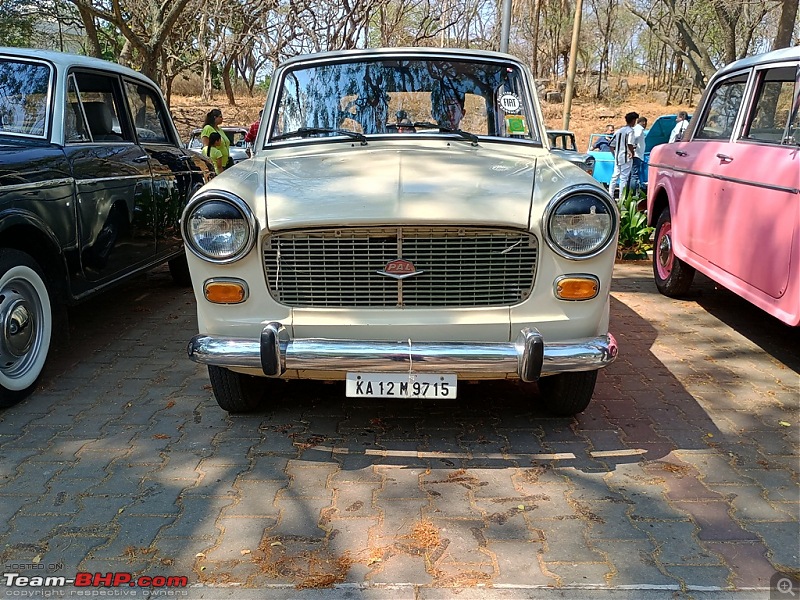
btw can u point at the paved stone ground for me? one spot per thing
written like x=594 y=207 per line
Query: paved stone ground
x=679 y=481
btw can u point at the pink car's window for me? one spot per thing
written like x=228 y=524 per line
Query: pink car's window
x=772 y=109
x=719 y=117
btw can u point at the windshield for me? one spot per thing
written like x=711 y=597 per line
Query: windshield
x=24 y=97
x=393 y=96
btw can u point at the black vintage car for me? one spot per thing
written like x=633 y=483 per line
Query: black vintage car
x=93 y=178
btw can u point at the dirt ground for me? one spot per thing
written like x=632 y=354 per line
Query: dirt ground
x=587 y=116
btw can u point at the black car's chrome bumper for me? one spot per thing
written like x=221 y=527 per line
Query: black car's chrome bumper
x=528 y=357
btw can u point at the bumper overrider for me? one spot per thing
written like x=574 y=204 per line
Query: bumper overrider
x=528 y=357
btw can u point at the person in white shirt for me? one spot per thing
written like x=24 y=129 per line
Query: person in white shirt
x=624 y=151
x=680 y=127
x=637 y=169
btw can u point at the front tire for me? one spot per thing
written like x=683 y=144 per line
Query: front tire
x=26 y=325
x=179 y=270
x=673 y=276
x=236 y=392
x=567 y=394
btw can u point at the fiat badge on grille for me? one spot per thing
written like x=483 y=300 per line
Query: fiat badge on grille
x=399 y=269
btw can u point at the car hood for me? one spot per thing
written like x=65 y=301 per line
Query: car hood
x=454 y=182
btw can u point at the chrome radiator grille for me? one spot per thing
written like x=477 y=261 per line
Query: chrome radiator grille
x=455 y=267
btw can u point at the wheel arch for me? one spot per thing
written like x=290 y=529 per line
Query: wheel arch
x=23 y=232
x=660 y=202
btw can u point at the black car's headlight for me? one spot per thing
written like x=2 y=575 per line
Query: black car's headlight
x=580 y=222
x=218 y=227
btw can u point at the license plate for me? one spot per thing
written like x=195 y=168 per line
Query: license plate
x=401 y=385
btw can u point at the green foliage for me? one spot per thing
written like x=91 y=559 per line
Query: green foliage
x=634 y=232
x=16 y=24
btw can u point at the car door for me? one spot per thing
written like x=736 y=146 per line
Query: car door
x=169 y=163
x=115 y=215
x=702 y=202
x=759 y=179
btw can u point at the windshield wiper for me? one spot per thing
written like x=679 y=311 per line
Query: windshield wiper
x=444 y=129
x=306 y=131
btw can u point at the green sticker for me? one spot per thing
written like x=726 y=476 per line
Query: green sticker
x=515 y=124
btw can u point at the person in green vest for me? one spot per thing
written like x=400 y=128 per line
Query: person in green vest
x=213 y=124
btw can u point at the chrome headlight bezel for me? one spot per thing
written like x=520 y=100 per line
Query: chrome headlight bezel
x=204 y=198
x=558 y=200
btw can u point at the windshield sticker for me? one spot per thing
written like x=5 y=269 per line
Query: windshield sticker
x=515 y=125
x=509 y=103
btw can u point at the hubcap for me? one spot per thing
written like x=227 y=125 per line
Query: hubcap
x=664 y=250
x=17 y=328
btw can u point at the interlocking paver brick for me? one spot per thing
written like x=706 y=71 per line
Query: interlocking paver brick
x=677 y=544
x=301 y=515
x=240 y=534
x=678 y=474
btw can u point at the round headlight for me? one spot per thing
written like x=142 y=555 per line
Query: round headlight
x=580 y=225
x=219 y=229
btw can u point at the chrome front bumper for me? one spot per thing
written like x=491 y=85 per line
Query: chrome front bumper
x=528 y=357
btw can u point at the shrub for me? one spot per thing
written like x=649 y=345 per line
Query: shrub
x=634 y=232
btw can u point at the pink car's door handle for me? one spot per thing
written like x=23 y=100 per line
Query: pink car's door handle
x=724 y=157
x=681 y=153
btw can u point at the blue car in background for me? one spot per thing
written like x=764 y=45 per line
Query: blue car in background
x=655 y=135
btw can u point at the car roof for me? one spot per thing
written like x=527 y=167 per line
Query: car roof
x=402 y=51
x=64 y=60
x=759 y=59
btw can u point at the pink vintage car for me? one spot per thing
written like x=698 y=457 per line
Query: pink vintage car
x=725 y=200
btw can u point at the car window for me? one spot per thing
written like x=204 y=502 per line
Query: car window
x=149 y=114
x=24 y=97
x=378 y=96
x=719 y=117
x=75 y=129
x=94 y=105
x=772 y=106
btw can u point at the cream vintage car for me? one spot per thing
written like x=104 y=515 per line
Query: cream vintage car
x=402 y=227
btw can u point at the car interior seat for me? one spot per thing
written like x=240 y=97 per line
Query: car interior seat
x=101 y=120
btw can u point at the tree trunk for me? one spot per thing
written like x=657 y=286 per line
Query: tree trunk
x=91 y=32
x=783 y=39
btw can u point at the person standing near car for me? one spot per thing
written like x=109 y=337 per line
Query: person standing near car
x=251 y=134
x=213 y=123
x=624 y=151
x=637 y=169
x=681 y=123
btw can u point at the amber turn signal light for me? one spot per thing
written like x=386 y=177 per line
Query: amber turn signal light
x=580 y=287
x=225 y=292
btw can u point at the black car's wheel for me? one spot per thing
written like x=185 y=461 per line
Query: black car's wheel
x=26 y=325
x=179 y=270
x=235 y=392
x=673 y=276
x=567 y=394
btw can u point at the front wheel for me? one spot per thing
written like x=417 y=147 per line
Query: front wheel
x=179 y=270
x=673 y=276
x=26 y=325
x=567 y=394
x=236 y=392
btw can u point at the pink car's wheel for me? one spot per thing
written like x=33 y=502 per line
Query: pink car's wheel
x=673 y=276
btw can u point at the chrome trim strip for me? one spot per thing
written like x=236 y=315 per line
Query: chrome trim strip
x=768 y=186
x=117 y=178
x=16 y=187
x=315 y=354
